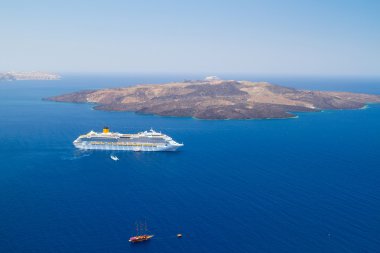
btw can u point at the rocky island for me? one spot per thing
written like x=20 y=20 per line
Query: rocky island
x=14 y=76
x=217 y=99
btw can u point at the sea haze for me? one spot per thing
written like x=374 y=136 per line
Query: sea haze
x=310 y=184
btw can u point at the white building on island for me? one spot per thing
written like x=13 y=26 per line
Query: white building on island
x=212 y=78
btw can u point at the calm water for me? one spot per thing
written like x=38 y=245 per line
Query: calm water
x=310 y=184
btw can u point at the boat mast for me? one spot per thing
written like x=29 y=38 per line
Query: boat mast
x=141 y=229
x=137 y=228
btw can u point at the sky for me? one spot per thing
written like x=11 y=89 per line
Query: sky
x=283 y=37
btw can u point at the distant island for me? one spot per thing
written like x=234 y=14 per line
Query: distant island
x=14 y=76
x=217 y=99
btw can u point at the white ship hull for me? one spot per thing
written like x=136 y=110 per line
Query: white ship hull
x=143 y=141
x=126 y=148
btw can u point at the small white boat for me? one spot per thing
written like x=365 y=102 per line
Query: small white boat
x=115 y=158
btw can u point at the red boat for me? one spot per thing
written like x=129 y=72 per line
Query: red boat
x=140 y=238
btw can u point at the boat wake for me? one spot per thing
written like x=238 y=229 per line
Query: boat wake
x=77 y=155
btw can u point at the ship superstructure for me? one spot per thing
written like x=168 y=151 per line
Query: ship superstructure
x=143 y=141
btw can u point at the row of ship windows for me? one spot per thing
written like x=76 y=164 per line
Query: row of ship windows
x=123 y=144
x=154 y=140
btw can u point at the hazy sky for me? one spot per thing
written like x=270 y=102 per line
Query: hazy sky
x=327 y=37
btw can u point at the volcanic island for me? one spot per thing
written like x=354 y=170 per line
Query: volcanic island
x=217 y=99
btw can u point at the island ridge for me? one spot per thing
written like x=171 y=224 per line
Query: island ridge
x=217 y=99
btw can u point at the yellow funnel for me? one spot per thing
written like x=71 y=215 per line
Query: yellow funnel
x=106 y=130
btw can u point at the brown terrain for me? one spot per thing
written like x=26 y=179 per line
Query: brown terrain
x=217 y=99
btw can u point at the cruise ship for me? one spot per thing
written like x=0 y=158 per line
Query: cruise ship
x=143 y=141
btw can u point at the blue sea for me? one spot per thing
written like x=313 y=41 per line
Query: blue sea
x=310 y=184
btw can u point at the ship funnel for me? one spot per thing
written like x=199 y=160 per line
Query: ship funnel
x=106 y=130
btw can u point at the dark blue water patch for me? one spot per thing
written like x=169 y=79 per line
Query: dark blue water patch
x=310 y=184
